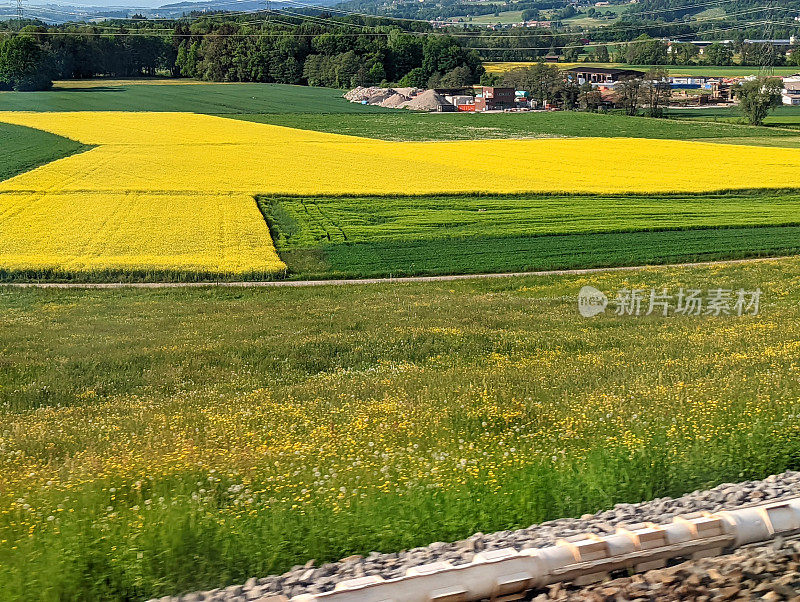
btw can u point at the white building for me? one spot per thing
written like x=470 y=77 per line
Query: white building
x=791 y=90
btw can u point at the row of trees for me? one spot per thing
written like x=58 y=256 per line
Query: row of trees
x=220 y=49
x=649 y=51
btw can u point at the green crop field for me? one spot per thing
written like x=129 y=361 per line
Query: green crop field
x=378 y=236
x=196 y=98
x=406 y=125
x=25 y=148
x=170 y=440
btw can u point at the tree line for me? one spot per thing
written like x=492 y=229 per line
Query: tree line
x=324 y=52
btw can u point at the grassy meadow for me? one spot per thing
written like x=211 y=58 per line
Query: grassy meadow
x=379 y=236
x=402 y=125
x=155 y=441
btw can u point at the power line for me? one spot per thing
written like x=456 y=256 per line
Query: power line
x=766 y=55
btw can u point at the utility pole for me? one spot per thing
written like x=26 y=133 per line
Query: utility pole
x=766 y=59
x=20 y=14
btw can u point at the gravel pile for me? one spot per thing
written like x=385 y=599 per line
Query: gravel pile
x=408 y=92
x=380 y=96
x=361 y=93
x=394 y=101
x=429 y=100
x=770 y=572
x=310 y=578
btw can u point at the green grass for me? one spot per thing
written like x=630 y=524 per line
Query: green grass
x=186 y=439
x=787 y=117
x=504 y=17
x=25 y=148
x=404 y=125
x=379 y=236
x=583 y=20
x=197 y=98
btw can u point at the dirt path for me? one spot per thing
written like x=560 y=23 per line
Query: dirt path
x=448 y=278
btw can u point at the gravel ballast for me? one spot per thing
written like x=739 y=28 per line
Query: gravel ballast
x=768 y=572
x=310 y=578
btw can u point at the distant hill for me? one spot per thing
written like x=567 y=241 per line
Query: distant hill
x=63 y=13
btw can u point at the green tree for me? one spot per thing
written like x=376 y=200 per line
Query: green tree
x=646 y=51
x=718 y=54
x=628 y=92
x=794 y=57
x=348 y=67
x=319 y=70
x=544 y=83
x=405 y=53
x=572 y=54
x=23 y=64
x=414 y=79
x=460 y=77
x=758 y=96
x=601 y=54
x=655 y=91
x=491 y=79
x=589 y=98
x=684 y=53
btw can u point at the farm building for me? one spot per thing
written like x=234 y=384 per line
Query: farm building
x=601 y=75
x=494 y=99
x=791 y=90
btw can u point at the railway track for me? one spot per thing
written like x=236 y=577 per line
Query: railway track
x=507 y=574
x=563 y=559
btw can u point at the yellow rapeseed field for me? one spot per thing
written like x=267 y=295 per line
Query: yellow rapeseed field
x=201 y=153
x=504 y=66
x=200 y=172
x=91 y=231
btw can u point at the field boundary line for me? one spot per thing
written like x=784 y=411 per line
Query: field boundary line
x=387 y=280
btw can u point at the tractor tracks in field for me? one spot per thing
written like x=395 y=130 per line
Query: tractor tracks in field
x=385 y=280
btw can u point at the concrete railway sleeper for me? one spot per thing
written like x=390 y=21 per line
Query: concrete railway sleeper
x=506 y=574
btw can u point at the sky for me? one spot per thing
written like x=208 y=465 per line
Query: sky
x=109 y=3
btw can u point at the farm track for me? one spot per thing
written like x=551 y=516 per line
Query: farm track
x=402 y=280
